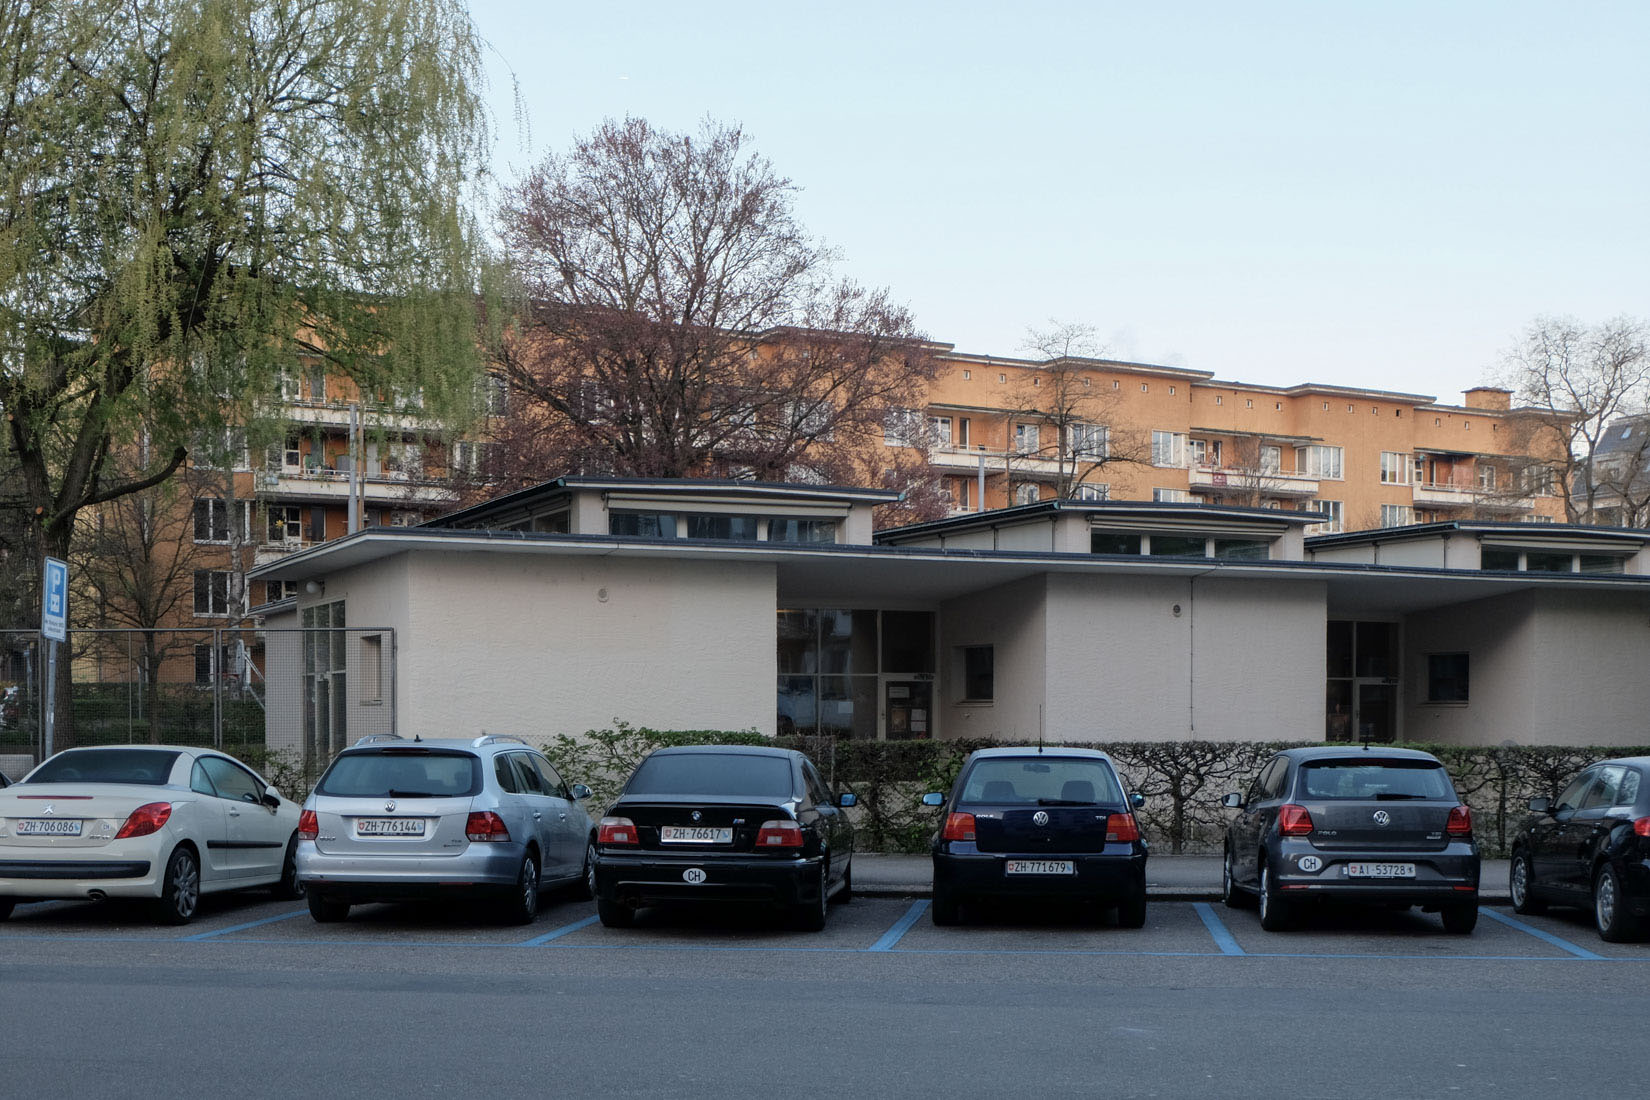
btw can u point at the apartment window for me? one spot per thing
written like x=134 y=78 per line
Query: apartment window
x=784 y=529
x=729 y=528
x=1278 y=406
x=1486 y=479
x=1090 y=440
x=222 y=449
x=958 y=493
x=979 y=673
x=213 y=590
x=1536 y=479
x=1025 y=439
x=1326 y=406
x=1168 y=449
x=1171 y=391
x=1436 y=422
x=902 y=428
x=643 y=525
x=1145 y=387
x=1599 y=563
x=1334 y=509
x=276 y=591
x=967 y=374
x=1025 y=494
x=1446 y=677
x=939 y=431
x=292 y=455
x=1248 y=402
x=286 y=523
x=1219 y=400
x=551 y=523
x=495 y=396
x=1545 y=561
x=1271 y=459
x=1395 y=468
x=1002 y=378
x=1197 y=452
x=317 y=379
x=1178 y=546
x=1318 y=460
x=1397 y=515
x=1092 y=491
x=212 y=662
x=1113 y=542
x=1171 y=496
x=212 y=520
x=962 y=431
x=403 y=460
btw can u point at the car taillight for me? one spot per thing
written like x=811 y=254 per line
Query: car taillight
x=1293 y=820
x=617 y=830
x=485 y=825
x=309 y=827
x=959 y=827
x=1460 y=822
x=1122 y=828
x=1641 y=827
x=145 y=819
x=779 y=834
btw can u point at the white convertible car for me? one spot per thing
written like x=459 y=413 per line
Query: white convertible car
x=144 y=821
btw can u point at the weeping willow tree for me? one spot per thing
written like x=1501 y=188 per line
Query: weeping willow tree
x=198 y=195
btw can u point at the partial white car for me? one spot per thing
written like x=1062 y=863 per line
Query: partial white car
x=165 y=822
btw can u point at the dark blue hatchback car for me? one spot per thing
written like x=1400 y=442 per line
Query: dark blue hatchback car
x=1039 y=823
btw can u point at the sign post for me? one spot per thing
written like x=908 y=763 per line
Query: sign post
x=54 y=627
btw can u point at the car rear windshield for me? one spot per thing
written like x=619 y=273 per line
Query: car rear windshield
x=1047 y=781
x=716 y=774
x=402 y=773
x=1374 y=780
x=150 y=767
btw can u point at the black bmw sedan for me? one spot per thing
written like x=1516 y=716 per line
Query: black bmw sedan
x=725 y=823
x=1371 y=825
x=1590 y=848
x=1039 y=823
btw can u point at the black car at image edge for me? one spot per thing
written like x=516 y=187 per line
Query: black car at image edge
x=725 y=823
x=1048 y=823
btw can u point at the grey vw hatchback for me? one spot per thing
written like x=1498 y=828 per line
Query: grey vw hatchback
x=399 y=820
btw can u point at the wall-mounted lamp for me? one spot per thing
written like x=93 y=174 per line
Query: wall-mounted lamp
x=315 y=588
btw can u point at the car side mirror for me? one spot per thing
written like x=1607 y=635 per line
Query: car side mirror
x=271 y=798
x=1137 y=800
x=933 y=798
x=1540 y=805
x=580 y=792
x=1232 y=801
x=848 y=800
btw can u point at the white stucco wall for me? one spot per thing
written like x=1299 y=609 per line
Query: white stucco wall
x=526 y=644
x=1423 y=553
x=1499 y=638
x=1592 y=672
x=1037 y=535
x=1011 y=618
x=1121 y=663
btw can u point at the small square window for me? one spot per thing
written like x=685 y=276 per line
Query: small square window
x=1085 y=381
x=1171 y=391
x=1278 y=405
x=1002 y=378
x=1219 y=400
x=1144 y=388
x=1446 y=677
x=1436 y=421
x=967 y=374
x=1248 y=402
x=1326 y=406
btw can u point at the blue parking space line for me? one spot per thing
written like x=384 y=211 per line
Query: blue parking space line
x=901 y=927
x=244 y=927
x=560 y=932
x=1222 y=935
x=1545 y=937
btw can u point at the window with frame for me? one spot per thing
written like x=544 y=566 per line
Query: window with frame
x=212 y=519
x=1168 y=449
x=797 y=530
x=1025 y=439
x=1093 y=491
x=979 y=673
x=1486 y=478
x=1171 y=496
x=495 y=395
x=903 y=428
x=286 y=523
x=645 y=525
x=214 y=592
x=1446 y=677
x=1090 y=440
x=1334 y=509
x=1395 y=467
x=276 y=591
x=1397 y=515
x=1025 y=493
x=1113 y=542
x=939 y=431
x=221 y=449
x=1319 y=460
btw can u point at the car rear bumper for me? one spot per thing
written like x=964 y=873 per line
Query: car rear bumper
x=79 y=878
x=1102 y=876
x=649 y=878
x=481 y=867
x=1441 y=877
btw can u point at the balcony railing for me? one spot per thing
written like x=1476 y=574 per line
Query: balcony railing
x=1266 y=483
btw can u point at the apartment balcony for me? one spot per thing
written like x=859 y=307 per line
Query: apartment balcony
x=336 y=415
x=275 y=549
x=323 y=484
x=967 y=461
x=1270 y=483
x=1444 y=494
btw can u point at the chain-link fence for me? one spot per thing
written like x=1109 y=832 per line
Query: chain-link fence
x=297 y=694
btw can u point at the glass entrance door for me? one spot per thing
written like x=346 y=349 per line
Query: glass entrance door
x=907 y=708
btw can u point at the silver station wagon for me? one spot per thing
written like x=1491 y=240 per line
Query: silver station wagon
x=400 y=820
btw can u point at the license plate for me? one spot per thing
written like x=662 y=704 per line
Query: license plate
x=35 y=826
x=1380 y=870
x=694 y=834
x=1040 y=867
x=389 y=826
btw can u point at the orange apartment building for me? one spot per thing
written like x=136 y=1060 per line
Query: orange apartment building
x=1106 y=430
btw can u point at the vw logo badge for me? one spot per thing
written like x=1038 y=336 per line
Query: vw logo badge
x=49 y=809
x=389 y=807
x=696 y=815
x=694 y=876
x=1382 y=818
x=1040 y=817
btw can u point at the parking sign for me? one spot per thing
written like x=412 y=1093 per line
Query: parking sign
x=54 y=602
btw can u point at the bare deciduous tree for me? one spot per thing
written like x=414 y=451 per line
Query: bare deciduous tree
x=1589 y=376
x=678 y=320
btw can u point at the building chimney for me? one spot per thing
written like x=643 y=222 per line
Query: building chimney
x=1488 y=397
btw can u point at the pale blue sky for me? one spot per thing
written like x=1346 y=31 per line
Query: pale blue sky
x=1377 y=194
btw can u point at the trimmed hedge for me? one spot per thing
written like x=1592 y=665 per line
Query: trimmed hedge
x=1182 y=781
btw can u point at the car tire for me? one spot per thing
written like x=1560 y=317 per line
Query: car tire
x=613 y=914
x=289 y=887
x=1610 y=916
x=1131 y=912
x=1235 y=896
x=810 y=915
x=845 y=892
x=326 y=911
x=1274 y=913
x=523 y=903
x=945 y=907
x=1521 y=885
x=1460 y=919
x=180 y=889
x=585 y=888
